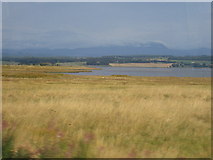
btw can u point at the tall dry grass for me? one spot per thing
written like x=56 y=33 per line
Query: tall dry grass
x=88 y=116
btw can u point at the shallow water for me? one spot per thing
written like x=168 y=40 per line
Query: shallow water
x=150 y=72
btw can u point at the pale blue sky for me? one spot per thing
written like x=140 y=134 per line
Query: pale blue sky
x=73 y=25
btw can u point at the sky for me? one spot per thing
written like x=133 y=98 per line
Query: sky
x=177 y=25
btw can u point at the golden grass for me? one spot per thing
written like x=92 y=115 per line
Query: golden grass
x=158 y=65
x=29 y=71
x=111 y=116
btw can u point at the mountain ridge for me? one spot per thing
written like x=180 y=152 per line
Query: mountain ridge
x=152 y=48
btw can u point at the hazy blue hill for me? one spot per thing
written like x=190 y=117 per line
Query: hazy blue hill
x=151 y=48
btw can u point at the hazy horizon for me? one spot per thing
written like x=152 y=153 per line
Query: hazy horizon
x=179 y=25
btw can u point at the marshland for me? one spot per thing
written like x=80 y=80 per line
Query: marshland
x=48 y=114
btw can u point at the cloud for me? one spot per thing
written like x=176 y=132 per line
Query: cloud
x=76 y=25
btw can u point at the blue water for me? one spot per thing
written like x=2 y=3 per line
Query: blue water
x=150 y=72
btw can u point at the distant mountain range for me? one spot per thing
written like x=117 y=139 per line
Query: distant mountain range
x=151 y=48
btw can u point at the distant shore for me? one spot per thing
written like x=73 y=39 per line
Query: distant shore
x=146 y=65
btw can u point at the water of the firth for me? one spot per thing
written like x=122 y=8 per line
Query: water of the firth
x=150 y=72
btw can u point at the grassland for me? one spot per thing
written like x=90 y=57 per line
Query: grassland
x=52 y=115
x=158 y=65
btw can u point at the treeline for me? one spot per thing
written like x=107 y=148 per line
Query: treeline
x=38 y=60
x=105 y=60
x=178 y=61
x=193 y=58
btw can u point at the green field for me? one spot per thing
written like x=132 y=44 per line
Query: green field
x=47 y=114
